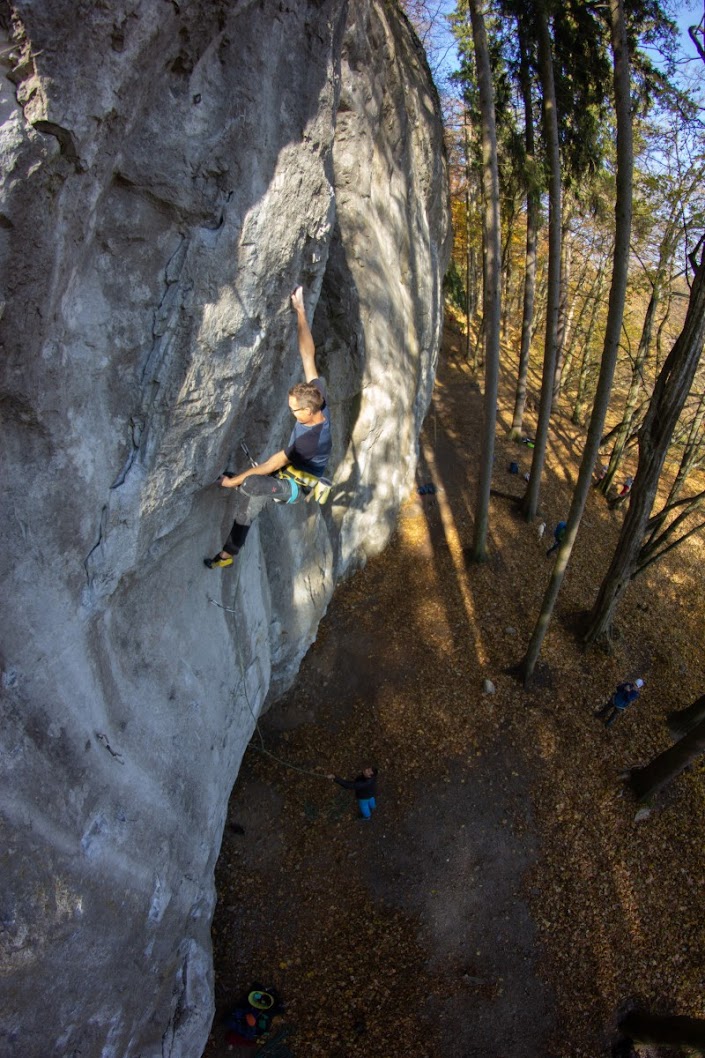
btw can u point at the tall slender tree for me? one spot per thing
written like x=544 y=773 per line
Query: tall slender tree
x=491 y=273
x=693 y=450
x=533 y=212
x=588 y=359
x=566 y=304
x=584 y=297
x=672 y=196
x=550 y=132
x=624 y=428
x=623 y=216
x=672 y=388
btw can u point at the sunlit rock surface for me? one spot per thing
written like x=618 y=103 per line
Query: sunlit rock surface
x=170 y=170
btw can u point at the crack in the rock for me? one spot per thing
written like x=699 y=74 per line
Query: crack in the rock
x=103 y=515
x=103 y=739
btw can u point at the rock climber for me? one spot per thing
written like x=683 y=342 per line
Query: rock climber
x=296 y=469
x=365 y=787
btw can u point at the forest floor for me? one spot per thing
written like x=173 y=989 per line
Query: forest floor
x=508 y=898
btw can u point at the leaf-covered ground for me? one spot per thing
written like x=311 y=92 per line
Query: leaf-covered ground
x=504 y=902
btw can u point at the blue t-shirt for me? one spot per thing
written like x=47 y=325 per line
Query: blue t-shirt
x=309 y=447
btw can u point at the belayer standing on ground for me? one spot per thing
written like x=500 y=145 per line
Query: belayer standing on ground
x=625 y=694
x=558 y=534
x=599 y=475
x=296 y=469
x=624 y=491
x=365 y=787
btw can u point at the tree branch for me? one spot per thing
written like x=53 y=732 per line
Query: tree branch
x=655 y=558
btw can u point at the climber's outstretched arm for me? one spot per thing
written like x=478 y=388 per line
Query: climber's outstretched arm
x=307 y=350
x=270 y=466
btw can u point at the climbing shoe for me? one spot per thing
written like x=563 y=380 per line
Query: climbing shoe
x=217 y=562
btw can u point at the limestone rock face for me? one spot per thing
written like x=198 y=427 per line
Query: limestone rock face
x=170 y=171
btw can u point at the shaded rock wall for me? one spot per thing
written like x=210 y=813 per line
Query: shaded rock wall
x=169 y=172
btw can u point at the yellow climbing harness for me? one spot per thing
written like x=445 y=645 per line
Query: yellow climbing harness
x=316 y=489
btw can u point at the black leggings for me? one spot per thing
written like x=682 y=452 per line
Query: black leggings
x=250 y=498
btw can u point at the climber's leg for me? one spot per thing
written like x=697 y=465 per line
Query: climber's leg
x=251 y=497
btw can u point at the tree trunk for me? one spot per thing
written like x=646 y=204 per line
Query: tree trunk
x=550 y=125
x=578 y=414
x=662 y=328
x=468 y=274
x=636 y=426
x=618 y=289
x=541 y=289
x=655 y=535
x=533 y=204
x=564 y=311
x=491 y=273
x=507 y=265
x=623 y=430
x=666 y=252
x=573 y=330
x=470 y=278
x=669 y=396
x=682 y=721
x=690 y=453
x=652 y=1028
x=587 y=360
x=646 y=782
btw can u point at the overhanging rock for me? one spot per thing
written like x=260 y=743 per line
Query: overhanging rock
x=170 y=171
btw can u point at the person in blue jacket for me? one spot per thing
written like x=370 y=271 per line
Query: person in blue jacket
x=623 y=697
x=558 y=534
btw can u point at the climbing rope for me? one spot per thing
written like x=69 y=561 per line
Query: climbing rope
x=294 y=767
x=243 y=682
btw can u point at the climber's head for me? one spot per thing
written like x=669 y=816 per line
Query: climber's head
x=305 y=401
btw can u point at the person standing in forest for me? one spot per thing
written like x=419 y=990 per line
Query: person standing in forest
x=365 y=787
x=625 y=694
x=599 y=475
x=624 y=491
x=558 y=534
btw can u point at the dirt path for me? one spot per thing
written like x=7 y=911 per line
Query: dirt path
x=499 y=892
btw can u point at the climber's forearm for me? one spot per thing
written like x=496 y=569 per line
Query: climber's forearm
x=270 y=466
